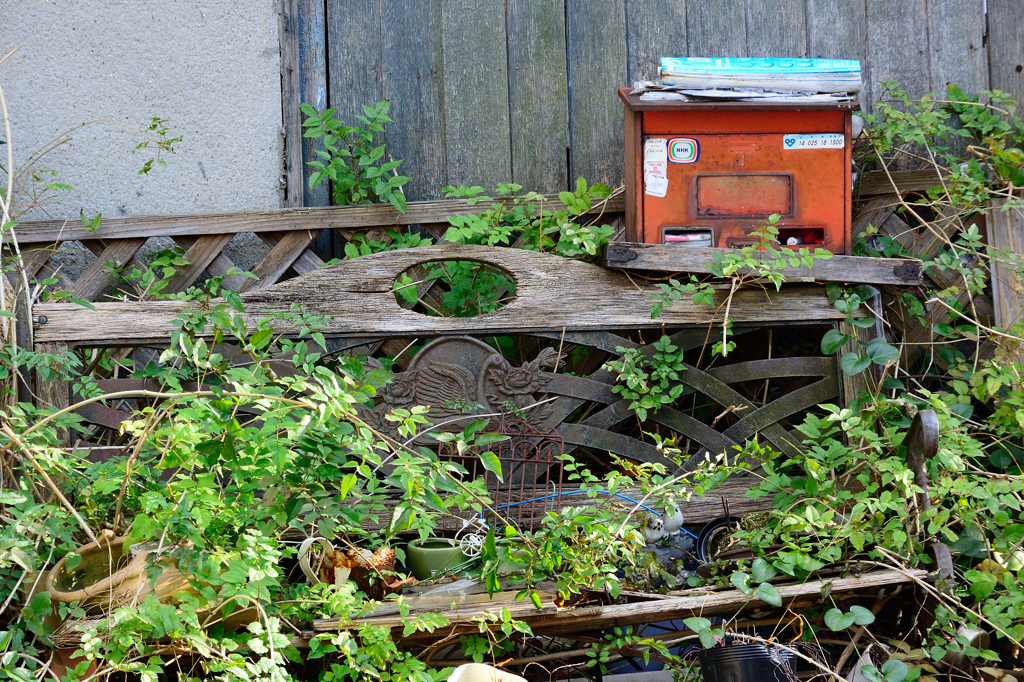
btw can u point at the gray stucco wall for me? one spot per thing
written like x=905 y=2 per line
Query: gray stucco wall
x=212 y=67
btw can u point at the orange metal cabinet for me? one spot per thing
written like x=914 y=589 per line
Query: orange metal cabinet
x=709 y=173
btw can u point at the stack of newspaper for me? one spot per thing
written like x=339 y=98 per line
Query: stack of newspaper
x=779 y=80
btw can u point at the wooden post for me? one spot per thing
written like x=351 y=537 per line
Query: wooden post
x=53 y=392
x=867 y=380
x=1006 y=233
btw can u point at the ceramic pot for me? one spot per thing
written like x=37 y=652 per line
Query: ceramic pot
x=110 y=576
x=433 y=557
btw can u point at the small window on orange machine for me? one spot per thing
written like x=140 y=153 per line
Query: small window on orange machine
x=744 y=195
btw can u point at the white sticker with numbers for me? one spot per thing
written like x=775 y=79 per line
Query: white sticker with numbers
x=820 y=141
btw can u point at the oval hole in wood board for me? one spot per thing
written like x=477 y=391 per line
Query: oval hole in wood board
x=455 y=288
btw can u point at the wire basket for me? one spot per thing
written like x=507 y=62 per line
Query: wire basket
x=531 y=472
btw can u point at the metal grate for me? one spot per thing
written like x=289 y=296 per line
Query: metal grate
x=531 y=469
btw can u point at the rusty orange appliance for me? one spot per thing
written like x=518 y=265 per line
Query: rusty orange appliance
x=709 y=173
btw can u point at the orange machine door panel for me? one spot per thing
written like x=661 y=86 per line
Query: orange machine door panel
x=731 y=183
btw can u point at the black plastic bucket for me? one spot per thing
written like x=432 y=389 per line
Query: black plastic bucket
x=746 y=663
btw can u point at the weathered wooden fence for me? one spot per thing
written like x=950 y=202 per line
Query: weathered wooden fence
x=487 y=91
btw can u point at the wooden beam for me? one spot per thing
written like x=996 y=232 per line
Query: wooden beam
x=695 y=259
x=552 y=293
x=269 y=220
x=291 y=97
x=200 y=255
x=98 y=276
x=288 y=249
x=873 y=183
x=1006 y=233
x=580 y=619
x=307 y=260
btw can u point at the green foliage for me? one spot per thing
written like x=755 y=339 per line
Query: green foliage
x=528 y=221
x=250 y=454
x=848 y=501
x=648 y=381
x=350 y=161
x=759 y=263
x=524 y=220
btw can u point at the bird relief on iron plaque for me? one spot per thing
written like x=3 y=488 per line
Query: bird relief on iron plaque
x=462 y=376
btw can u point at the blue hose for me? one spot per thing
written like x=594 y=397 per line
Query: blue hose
x=575 y=492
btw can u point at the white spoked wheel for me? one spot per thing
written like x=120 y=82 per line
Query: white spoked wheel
x=471 y=544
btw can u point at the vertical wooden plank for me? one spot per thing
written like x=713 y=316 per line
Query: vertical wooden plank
x=852 y=386
x=290 y=98
x=412 y=67
x=836 y=29
x=597 y=68
x=776 y=29
x=1006 y=47
x=311 y=29
x=538 y=94
x=956 y=35
x=1006 y=232
x=476 y=111
x=897 y=48
x=353 y=56
x=654 y=29
x=312 y=40
x=716 y=28
x=53 y=392
x=354 y=65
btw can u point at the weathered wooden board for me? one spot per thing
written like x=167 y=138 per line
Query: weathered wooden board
x=476 y=111
x=265 y=220
x=874 y=183
x=776 y=29
x=200 y=255
x=412 y=75
x=538 y=94
x=606 y=45
x=1006 y=231
x=311 y=26
x=956 y=45
x=291 y=96
x=598 y=617
x=695 y=259
x=1006 y=49
x=655 y=29
x=273 y=266
x=312 y=29
x=307 y=261
x=101 y=271
x=552 y=293
x=897 y=47
x=716 y=603
x=836 y=29
x=716 y=28
x=597 y=68
x=354 y=56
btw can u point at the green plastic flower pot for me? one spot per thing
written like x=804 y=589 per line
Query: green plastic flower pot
x=433 y=557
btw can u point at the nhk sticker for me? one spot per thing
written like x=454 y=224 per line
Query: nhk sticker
x=822 y=141
x=683 y=150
